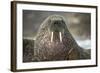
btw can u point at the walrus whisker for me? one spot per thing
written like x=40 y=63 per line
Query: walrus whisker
x=51 y=36
x=70 y=51
x=60 y=35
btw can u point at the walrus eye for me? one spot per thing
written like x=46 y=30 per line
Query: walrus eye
x=60 y=35
x=51 y=36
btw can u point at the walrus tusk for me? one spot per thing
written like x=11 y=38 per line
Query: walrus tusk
x=51 y=36
x=60 y=36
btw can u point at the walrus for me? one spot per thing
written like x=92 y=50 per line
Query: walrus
x=54 y=42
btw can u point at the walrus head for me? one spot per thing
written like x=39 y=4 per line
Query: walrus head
x=57 y=26
x=53 y=40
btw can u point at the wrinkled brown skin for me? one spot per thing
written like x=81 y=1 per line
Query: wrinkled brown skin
x=45 y=50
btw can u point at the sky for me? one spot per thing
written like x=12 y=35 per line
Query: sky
x=79 y=24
